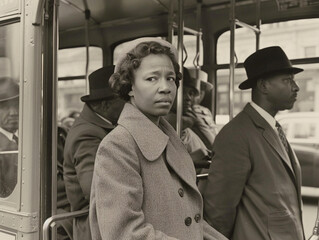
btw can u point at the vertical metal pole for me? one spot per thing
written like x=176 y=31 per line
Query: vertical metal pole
x=54 y=107
x=54 y=114
x=232 y=59
x=258 y=23
x=49 y=131
x=180 y=61
x=87 y=45
x=171 y=22
x=198 y=36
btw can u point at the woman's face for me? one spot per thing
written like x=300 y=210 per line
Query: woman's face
x=154 y=89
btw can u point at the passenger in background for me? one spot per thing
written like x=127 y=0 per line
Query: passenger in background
x=204 y=125
x=98 y=117
x=64 y=227
x=254 y=183
x=198 y=128
x=67 y=122
x=190 y=139
x=9 y=124
x=144 y=184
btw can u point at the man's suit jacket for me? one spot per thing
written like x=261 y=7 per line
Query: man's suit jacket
x=8 y=166
x=144 y=184
x=253 y=188
x=80 y=149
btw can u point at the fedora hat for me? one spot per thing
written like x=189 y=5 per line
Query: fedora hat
x=265 y=62
x=99 y=85
x=9 y=90
x=202 y=76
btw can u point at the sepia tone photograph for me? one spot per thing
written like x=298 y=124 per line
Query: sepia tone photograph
x=159 y=120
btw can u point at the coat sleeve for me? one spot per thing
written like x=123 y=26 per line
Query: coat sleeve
x=118 y=192
x=228 y=174
x=84 y=158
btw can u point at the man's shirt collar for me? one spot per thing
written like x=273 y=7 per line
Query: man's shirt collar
x=103 y=118
x=269 y=119
x=9 y=135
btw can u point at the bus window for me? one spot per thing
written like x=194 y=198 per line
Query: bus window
x=9 y=109
x=241 y=97
x=298 y=38
x=190 y=46
x=72 y=84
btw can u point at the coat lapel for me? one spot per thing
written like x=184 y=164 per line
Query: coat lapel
x=270 y=135
x=296 y=167
x=177 y=156
x=152 y=141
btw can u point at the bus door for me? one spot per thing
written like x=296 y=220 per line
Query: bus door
x=21 y=118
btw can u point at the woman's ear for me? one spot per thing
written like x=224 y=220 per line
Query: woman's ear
x=131 y=93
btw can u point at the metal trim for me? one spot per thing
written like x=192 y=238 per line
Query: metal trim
x=22 y=222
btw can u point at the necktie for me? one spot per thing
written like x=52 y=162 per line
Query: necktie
x=15 y=138
x=282 y=136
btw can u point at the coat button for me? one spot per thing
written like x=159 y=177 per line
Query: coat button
x=181 y=192
x=197 y=217
x=188 y=221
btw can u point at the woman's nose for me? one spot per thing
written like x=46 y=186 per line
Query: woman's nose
x=164 y=86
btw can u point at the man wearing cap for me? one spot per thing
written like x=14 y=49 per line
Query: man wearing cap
x=198 y=131
x=204 y=125
x=98 y=117
x=254 y=183
x=9 y=123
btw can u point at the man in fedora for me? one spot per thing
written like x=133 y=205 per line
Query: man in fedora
x=9 y=123
x=254 y=183
x=98 y=117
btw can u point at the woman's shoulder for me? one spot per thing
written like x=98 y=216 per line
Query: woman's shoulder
x=118 y=134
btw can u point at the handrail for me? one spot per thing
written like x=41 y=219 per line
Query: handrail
x=194 y=32
x=59 y=217
x=203 y=175
x=245 y=25
x=315 y=232
x=9 y=152
x=232 y=65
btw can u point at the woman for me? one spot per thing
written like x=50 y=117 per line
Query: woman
x=144 y=184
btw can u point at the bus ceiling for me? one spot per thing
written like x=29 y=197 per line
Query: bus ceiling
x=117 y=15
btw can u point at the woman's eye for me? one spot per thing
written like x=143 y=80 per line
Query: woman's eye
x=171 y=79
x=151 y=79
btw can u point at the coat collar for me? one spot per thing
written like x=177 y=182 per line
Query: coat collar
x=269 y=134
x=151 y=142
x=90 y=116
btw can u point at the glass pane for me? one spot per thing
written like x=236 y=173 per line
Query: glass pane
x=304 y=130
x=9 y=107
x=190 y=46
x=298 y=38
x=72 y=61
x=240 y=97
x=69 y=100
x=245 y=45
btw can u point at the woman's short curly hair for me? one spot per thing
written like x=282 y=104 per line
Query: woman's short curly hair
x=121 y=81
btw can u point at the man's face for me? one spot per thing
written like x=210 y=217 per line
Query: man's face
x=282 y=91
x=189 y=96
x=9 y=115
